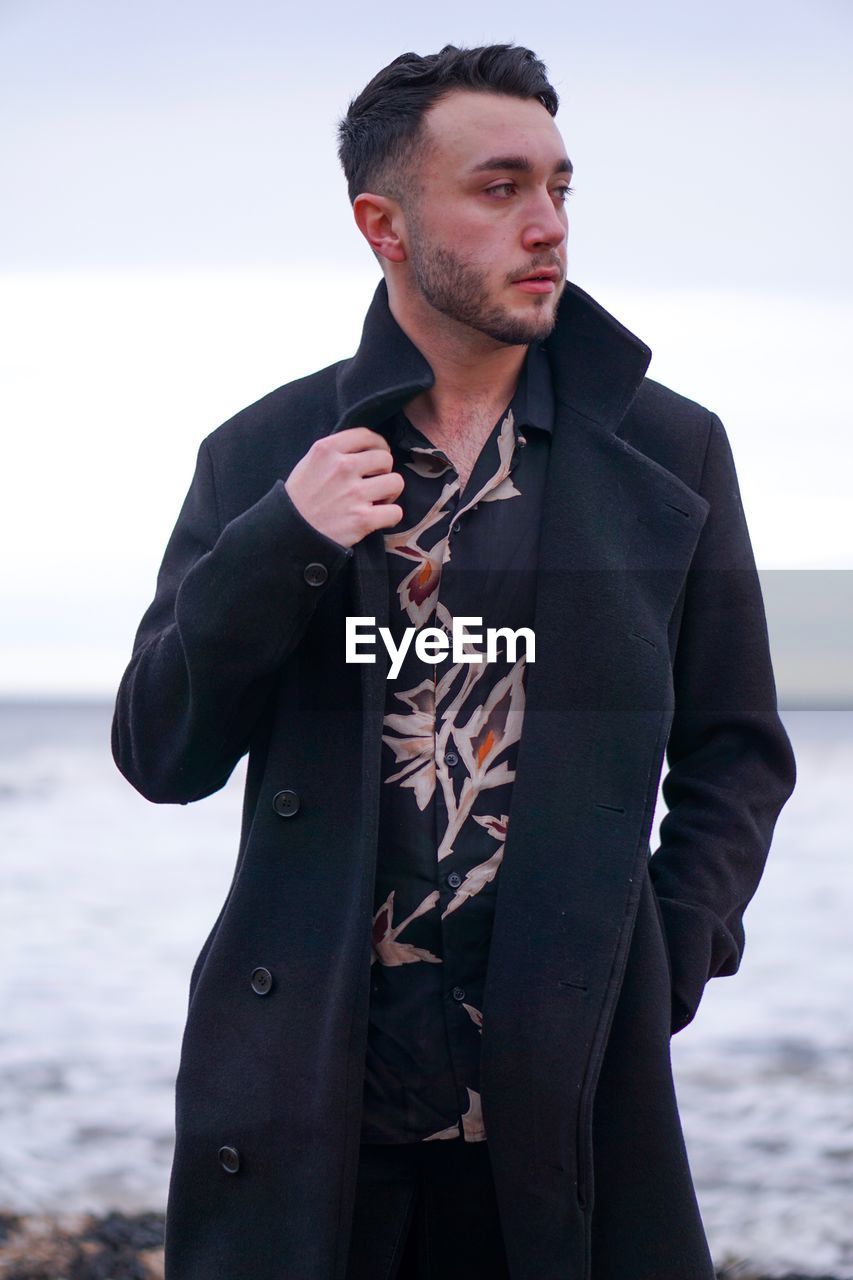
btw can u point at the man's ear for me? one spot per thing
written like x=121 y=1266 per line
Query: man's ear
x=380 y=221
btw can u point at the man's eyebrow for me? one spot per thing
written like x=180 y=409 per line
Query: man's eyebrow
x=520 y=164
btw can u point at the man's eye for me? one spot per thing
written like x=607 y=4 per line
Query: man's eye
x=563 y=191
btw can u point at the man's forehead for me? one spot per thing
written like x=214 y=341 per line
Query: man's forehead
x=478 y=127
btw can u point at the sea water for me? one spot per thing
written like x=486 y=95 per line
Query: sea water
x=106 y=900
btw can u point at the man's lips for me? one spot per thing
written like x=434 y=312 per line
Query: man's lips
x=544 y=281
x=535 y=285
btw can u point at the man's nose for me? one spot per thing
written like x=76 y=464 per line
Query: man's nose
x=544 y=224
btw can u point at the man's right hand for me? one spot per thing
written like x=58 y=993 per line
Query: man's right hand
x=344 y=485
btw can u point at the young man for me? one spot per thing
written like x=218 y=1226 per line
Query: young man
x=429 y=1032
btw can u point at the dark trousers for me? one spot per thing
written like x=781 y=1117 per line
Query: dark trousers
x=426 y=1211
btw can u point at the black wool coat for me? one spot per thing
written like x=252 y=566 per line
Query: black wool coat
x=651 y=646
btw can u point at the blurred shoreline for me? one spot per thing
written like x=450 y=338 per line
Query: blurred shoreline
x=130 y=1247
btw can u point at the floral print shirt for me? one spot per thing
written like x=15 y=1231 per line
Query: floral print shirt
x=451 y=734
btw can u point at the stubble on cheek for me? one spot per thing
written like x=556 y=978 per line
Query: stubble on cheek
x=461 y=291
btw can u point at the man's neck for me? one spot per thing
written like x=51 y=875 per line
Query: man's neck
x=475 y=376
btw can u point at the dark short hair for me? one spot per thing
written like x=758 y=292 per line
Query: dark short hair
x=380 y=135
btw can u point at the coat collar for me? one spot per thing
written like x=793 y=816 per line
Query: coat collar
x=532 y=405
x=597 y=364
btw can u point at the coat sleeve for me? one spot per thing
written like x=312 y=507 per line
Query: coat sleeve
x=230 y=605
x=730 y=763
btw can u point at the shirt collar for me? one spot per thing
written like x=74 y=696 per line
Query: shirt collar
x=533 y=402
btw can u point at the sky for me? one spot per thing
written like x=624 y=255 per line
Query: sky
x=176 y=240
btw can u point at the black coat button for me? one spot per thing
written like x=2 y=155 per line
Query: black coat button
x=261 y=981
x=315 y=573
x=454 y=879
x=229 y=1158
x=285 y=803
x=458 y=993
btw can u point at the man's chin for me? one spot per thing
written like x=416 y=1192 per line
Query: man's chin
x=516 y=330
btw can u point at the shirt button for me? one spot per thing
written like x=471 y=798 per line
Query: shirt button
x=451 y=758
x=458 y=993
x=285 y=803
x=454 y=879
x=522 y=441
x=261 y=981
x=229 y=1158
x=315 y=574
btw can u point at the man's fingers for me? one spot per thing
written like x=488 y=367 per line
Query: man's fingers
x=370 y=462
x=387 y=515
x=360 y=438
x=345 y=485
x=382 y=488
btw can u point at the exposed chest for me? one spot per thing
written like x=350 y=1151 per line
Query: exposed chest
x=462 y=444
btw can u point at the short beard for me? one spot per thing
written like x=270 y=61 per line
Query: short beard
x=457 y=290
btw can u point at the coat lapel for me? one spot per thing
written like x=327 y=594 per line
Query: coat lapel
x=617 y=536
x=618 y=530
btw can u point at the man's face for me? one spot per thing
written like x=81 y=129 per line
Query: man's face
x=490 y=211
